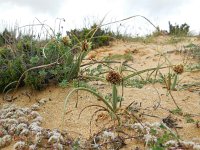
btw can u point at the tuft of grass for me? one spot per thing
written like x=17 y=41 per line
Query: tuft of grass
x=126 y=57
x=189 y=118
x=139 y=83
x=146 y=39
x=193 y=50
x=175 y=39
x=177 y=111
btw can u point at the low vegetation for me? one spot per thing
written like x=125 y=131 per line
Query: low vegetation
x=52 y=60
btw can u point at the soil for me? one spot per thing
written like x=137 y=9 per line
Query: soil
x=145 y=55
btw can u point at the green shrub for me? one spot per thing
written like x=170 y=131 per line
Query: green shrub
x=2 y=41
x=66 y=53
x=102 y=37
x=26 y=53
x=181 y=30
x=10 y=70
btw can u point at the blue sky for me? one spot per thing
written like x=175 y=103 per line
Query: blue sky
x=78 y=13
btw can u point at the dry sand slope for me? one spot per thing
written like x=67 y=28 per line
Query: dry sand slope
x=145 y=55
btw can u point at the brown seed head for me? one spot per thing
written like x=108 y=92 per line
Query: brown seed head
x=85 y=45
x=113 y=77
x=178 y=69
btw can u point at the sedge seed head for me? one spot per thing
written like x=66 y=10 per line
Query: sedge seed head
x=85 y=45
x=53 y=40
x=66 y=40
x=113 y=77
x=178 y=69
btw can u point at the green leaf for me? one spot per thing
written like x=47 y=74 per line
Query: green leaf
x=114 y=97
x=64 y=83
x=34 y=60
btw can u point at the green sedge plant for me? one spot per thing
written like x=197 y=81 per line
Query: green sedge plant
x=111 y=102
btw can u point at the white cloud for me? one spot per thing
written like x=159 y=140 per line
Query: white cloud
x=156 y=7
x=82 y=12
x=37 y=6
